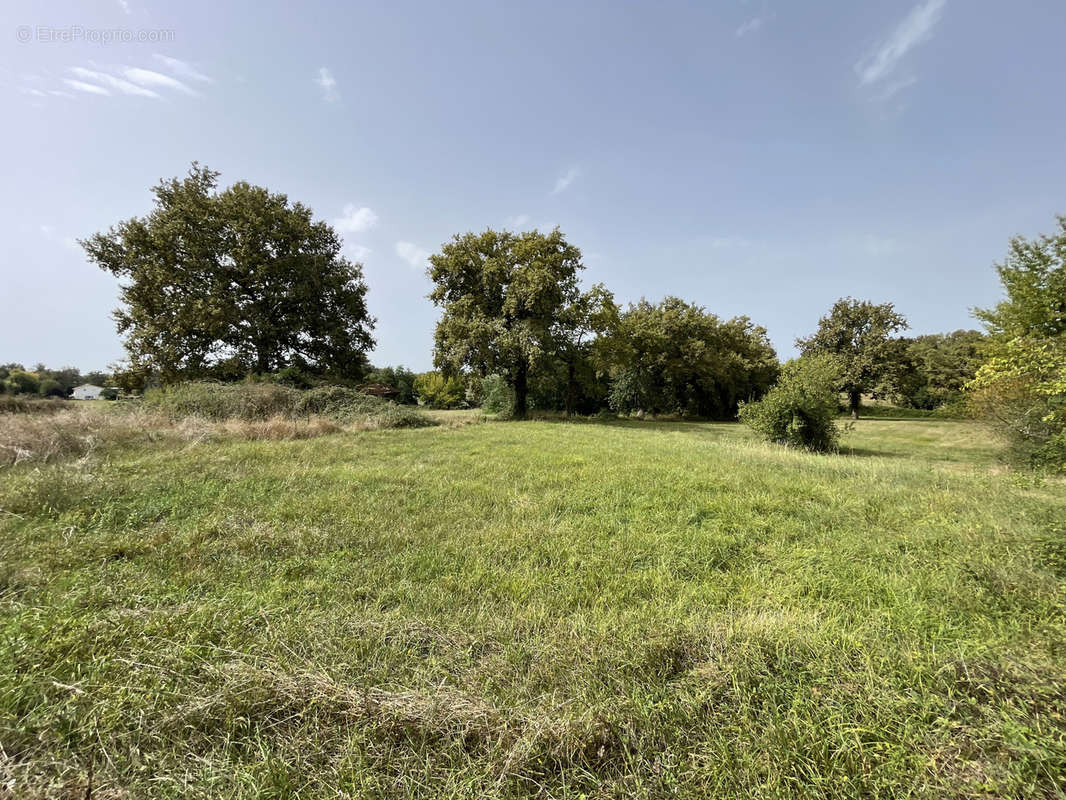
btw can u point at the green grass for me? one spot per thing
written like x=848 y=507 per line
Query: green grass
x=537 y=609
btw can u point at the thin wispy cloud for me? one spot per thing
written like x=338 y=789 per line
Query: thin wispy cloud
x=88 y=88
x=411 y=253
x=328 y=84
x=105 y=81
x=517 y=221
x=754 y=24
x=562 y=183
x=125 y=6
x=112 y=82
x=151 y=78
x=68 y=242
x=917 y=27
x=355 y=219
x=181 y=69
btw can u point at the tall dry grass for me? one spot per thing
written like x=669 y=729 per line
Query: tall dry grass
x=77 y=432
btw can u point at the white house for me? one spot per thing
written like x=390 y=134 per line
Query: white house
x=87 y=391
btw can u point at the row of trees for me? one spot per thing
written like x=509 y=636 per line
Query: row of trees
x=223 y=284
x=512 y=306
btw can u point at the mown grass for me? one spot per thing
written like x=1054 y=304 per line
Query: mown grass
x=539 y=609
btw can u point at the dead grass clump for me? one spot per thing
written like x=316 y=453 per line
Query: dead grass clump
x=274 y=702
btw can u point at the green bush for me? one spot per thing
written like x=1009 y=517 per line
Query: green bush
x=21 y=382
x=51 y=388
x=437 y=391
x=496 y=395
x=345 y=405
x=801 y=410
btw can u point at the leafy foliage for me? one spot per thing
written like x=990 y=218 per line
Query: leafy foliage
x=1021 y=388
x=859 y=334
x=936 y=368
x=503 y=295
x=675 y=357
x=436 y=390
x=226 y=283
x=399 y=379
x=801 y=409
x=496 y=395
x=21 y=382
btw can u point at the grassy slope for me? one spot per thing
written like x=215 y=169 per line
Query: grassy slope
x=623 y=610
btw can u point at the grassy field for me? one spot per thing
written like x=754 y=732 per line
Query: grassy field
x=541 y=609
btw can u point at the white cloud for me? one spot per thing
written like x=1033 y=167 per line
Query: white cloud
x=412 y=253
x=357 y=252
x=562 y=183
x=147 y=77
x=754 y=24
x=33 y=92
x=328 y=84
x=112 y=82
x=183 y=69
x=916 y=27
x=355 y=220
x=88 y=88
x=516 y=222
x=124 y=4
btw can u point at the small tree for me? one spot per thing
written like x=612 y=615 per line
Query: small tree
x=859 y=333
x=800 y=411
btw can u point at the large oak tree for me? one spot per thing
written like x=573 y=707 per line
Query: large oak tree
x=223 y=283
x=504 y=296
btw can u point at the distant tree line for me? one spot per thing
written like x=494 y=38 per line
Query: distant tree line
x=17 y=379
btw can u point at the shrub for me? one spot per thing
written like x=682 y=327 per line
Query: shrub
x=9 y=404
x=801 y=409
x=219 y=401
x=437 y=391
x=345 y=405
x=496 y=395
x=51 y=388
x=1021 y=391
x=264 y=401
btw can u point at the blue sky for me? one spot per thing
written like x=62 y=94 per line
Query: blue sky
x=759 y=158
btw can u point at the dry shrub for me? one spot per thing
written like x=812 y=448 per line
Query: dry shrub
x=23 y=404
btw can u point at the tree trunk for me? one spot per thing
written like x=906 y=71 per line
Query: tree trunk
x=521 y=391
x=571 y=389
x=854 y=401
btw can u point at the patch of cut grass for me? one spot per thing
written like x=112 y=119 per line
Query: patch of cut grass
x=541 y=609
